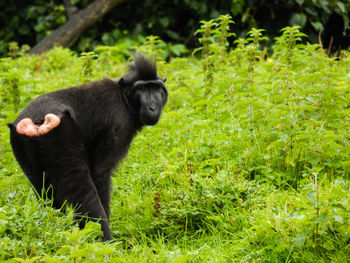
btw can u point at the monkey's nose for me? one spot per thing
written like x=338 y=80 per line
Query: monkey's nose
x=152 y=107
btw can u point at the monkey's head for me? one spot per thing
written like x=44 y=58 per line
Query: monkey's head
x=144 y=90
x=148 y=98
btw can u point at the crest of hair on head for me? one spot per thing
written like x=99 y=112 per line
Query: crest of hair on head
x=145 y=68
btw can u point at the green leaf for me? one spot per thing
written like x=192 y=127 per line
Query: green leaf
x=298 y=19
x=24 y=29
x=346 y=165
x=323 y=218
x=290 y=160
x=299 y=240
x=328 y=245
x=164 y=21
x=312 y=197
x=295 y=216
x=342 y=7
x=172 y=34
x=317 y=25
x=178 y=49
x=338 y=218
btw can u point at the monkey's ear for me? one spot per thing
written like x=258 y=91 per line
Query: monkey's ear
x=164 y=79
x=121 y=82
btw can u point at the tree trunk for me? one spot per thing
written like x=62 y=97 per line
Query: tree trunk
x=67 y=34
x=71 y=10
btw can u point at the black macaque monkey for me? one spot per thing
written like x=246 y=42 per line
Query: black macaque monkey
x=67 y=142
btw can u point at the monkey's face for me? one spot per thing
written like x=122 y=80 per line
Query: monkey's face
x=148 y=99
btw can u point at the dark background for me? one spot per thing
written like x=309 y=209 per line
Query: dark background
x=27 y=22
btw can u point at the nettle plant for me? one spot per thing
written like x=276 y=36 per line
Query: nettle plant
x=249 y=161
x=292 y=116
x=289 y=120
x=252 y=52
x=88 y=63
x=309 y=110
x=214 y=36
x=10 y=93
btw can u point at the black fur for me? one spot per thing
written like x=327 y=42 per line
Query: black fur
x=98 y=122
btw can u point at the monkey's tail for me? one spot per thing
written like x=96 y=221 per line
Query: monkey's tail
x=11 y=126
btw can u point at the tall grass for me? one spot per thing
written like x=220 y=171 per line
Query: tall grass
x=250 y=161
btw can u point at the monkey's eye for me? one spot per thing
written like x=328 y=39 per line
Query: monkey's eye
x=139 y=88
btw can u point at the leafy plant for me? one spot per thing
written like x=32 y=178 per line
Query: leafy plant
x=249 y=161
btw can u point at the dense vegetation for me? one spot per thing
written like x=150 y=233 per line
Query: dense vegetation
x=250 y=161
x=175 y=21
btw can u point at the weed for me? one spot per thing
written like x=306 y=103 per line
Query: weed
x=249 y=162
x=88 y=62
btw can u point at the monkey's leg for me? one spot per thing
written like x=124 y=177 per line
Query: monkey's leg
x=26 y=154
x=103 y=186
x=103 y=159
x=74 y=184
x=67 y=170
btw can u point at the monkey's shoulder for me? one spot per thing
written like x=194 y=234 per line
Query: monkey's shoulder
x=105 y=82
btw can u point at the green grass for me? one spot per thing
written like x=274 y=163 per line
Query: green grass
x=249 y=163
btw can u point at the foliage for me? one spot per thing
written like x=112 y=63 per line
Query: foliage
x=175 y=21
x=250 y=161
x=35 y=20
